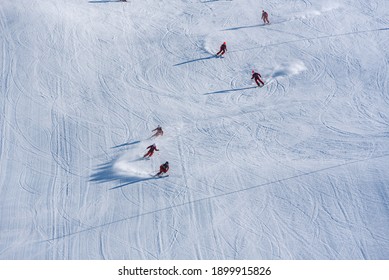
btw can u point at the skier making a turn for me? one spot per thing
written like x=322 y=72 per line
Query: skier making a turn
x=265 y=17
x=163 y=169
x=151 y=150
x=257 y=78
x=158 y=132
x=223 y=49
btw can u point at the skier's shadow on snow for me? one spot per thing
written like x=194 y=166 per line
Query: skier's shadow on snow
x=242 y=27
x=126 y=144
x=104 y=1
x=194 y=60
x=228 y=90
x=252 y=26
x=209 y=1
x=105 y=173
x=135 y=180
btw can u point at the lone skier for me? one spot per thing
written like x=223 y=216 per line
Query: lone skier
x=158 y=132
x=223 y=49
x=257 y=78
x=151 y=150
x=163 y=169
x=265 y=17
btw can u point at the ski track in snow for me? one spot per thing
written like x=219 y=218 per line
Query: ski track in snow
x=292 y=170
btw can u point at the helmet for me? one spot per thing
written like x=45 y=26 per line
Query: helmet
x=224 y=43
x=167 y=163
x=253 y=71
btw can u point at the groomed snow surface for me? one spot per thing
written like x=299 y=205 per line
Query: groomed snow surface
x=297 y=169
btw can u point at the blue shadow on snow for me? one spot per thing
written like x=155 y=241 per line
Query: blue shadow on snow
x=105 y=1
x=105 y=173
x=135 y=180
x=228 y=90
x=194 y=60
x=242 y=27
x=253 y=26
x=126 y=144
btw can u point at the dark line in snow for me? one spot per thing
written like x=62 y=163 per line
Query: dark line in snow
x=104 y=1
x=194 y=60
x=137 y=181
x=243 y=27
x=126 y=144
x=228 y=90
x=216 y=196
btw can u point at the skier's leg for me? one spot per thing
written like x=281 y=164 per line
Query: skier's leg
x=257 y=82
x=161 y=171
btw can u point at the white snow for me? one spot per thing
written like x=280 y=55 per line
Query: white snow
x=298 y=169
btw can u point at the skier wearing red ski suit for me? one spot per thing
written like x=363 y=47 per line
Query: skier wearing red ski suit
x=163 y=169
x=257 y=78
x=223 y=49
x=265 y=17
x=151 y=150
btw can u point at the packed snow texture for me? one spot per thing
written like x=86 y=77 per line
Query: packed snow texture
x=297 y=169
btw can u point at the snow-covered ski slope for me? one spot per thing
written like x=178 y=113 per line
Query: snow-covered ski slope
x=298 y=169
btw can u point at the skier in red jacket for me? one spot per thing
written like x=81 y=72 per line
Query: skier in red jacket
x=151 y=150
x=223 y=49
x=265 y=17
x=257 y=78
x=163 y=169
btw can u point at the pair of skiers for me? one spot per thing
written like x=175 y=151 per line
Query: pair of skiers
x=164 y=167
x=152 y=148
x=256 y=76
